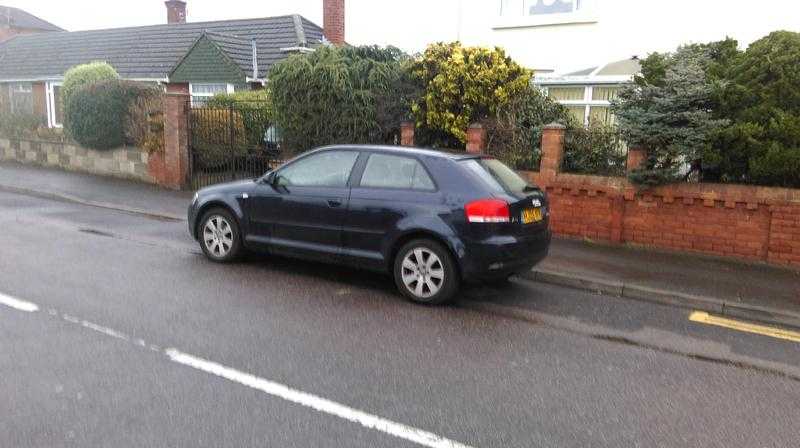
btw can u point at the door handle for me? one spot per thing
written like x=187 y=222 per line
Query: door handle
x=334 y=203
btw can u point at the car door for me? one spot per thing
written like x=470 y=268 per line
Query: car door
x=392 y=191
x=300 y=213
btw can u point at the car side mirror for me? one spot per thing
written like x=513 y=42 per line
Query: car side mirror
x=268 y=178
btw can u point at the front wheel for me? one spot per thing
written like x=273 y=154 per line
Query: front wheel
x=219 y=236
x=425 y=272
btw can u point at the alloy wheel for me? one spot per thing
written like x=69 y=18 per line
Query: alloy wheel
x=422 y=272
x=218 y=236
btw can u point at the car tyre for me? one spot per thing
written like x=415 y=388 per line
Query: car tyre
x=219 y=236
x=425 y=272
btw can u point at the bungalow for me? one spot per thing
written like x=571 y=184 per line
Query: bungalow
x=201 y=59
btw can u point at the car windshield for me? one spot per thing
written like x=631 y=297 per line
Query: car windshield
x=497 y=175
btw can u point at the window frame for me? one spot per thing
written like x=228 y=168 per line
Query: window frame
x=587 y=102
x=582 y=12
x=350 y=178
x=51 y=103
x=20 y=88
x=357 y=183
x=229 y=89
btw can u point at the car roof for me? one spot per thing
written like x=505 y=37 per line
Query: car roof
x=408 y=150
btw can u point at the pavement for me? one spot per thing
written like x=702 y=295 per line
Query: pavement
x=753 y=291
x=116 y=331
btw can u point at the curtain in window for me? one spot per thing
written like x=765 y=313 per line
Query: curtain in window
x=604 y=93
x=21 y=98
x=602 y=115
x=578 y=113
x=566 y=93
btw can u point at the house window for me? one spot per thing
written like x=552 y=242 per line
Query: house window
x=522 y=13
x=21 y=97
x=201 y=93
x=587 y=104
x=55 y=107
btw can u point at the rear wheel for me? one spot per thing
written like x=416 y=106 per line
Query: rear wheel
x=425 y=272
x=219 y=236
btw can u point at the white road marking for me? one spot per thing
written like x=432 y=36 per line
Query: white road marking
x=17 y=304
x=320 y=404
x=105 y=330
x=326 y=406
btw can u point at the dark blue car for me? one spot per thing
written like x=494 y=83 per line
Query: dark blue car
x=431 y=219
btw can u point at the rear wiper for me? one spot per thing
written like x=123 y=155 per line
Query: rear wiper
x=529 y=188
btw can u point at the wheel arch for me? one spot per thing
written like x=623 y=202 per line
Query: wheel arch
x=414 y=234
x=216 y=203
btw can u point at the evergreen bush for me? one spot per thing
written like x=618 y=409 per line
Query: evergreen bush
x=99 y=112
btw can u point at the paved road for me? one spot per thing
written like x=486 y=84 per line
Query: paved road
x=138 y=341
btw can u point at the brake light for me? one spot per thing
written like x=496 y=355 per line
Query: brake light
x=488 y=210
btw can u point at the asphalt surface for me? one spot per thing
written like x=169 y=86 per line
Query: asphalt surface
x=517 y=366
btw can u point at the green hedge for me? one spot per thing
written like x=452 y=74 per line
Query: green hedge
x=20 y=125
x=81 y=76
x=339 y=95
x=598 y=149
x=99 y=112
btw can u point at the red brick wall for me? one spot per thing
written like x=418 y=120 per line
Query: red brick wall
x=784 y=236
x=754 y=223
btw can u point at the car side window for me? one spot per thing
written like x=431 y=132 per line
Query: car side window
x=385 y=171
x=325 y=169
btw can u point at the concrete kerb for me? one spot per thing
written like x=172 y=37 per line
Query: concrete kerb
x=77 y=200
x=666 y=297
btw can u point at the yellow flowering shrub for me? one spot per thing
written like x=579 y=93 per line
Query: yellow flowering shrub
x=463 y=85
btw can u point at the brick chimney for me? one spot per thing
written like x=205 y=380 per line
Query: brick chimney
x=176 y=11
x=333 y=21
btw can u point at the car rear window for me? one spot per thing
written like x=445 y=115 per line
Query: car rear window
x=497 y=175
x=385 y=171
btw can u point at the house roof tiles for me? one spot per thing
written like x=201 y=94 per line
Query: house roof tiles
x=150 y=52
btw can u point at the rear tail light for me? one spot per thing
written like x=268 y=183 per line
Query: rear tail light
x=488 y=210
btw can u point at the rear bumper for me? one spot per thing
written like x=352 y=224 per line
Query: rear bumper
x=501 y=256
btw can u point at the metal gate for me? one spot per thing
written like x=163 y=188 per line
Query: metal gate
x=232 y=142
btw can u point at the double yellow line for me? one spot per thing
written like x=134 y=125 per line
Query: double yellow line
x=773 y=332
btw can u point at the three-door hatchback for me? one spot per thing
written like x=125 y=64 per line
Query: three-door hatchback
x=431 y=219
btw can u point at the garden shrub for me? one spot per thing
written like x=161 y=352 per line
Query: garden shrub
x=80 y=76
x=99 y=113
x=255 y=108
x=144 y=124
x=598 y=149
x=762 y=99
x=340 y=95
x=218 y=135
x=514 y=134
x=671 y=113
x=19 y=125
x=462 y=85
x=736 y=112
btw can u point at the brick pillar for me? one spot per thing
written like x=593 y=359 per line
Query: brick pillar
x=407 y=133
x=476 y=138
x=176 y=138
x=636 y=158
x=552 y=150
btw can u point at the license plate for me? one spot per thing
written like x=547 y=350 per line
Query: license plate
x=531 y=215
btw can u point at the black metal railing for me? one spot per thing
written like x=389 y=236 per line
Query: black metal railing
x=231 y=142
